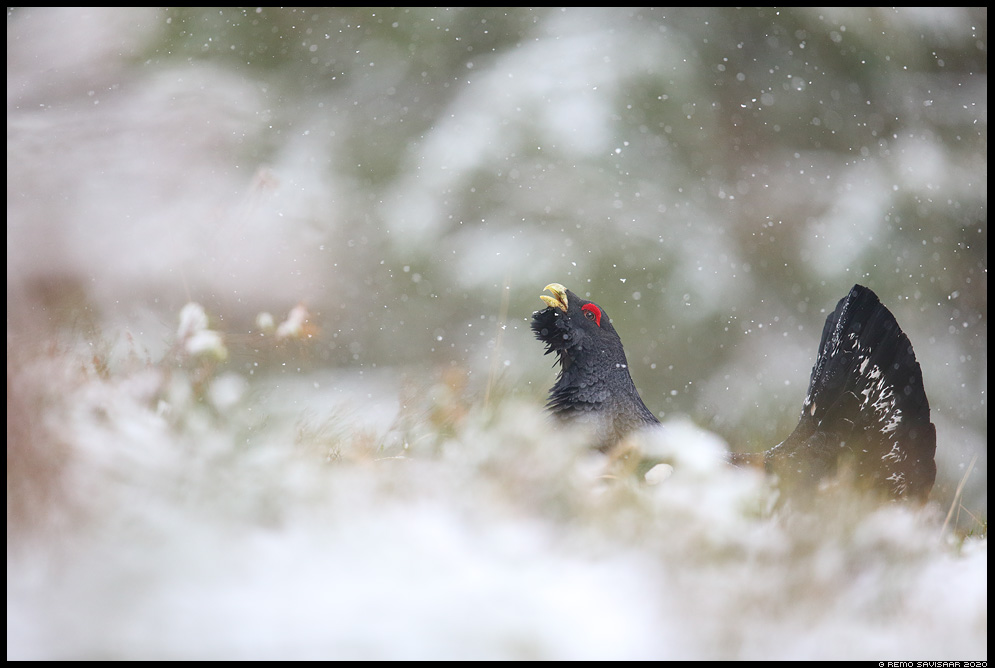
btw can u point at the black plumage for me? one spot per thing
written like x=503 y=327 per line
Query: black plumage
x=866 y=407
x=865 y=414
x=594 y=385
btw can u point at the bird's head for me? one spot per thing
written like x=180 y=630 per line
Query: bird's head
x=569 y=325
x=594 y=386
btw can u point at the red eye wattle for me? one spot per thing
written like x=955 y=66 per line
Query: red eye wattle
x=592 y=312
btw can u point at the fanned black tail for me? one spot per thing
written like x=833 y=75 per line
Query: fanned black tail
x=866 y=409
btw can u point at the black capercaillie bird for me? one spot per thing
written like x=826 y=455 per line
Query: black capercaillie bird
x=866 y=410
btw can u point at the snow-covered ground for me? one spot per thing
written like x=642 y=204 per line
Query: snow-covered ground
x=160 y=524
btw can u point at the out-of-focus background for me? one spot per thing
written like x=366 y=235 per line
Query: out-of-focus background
x=366 y=204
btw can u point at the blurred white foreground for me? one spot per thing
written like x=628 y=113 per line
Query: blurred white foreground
x=330 y=517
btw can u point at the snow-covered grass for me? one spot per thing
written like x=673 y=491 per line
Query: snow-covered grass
x=168 y=509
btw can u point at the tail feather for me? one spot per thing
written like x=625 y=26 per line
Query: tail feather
x=866 y=406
